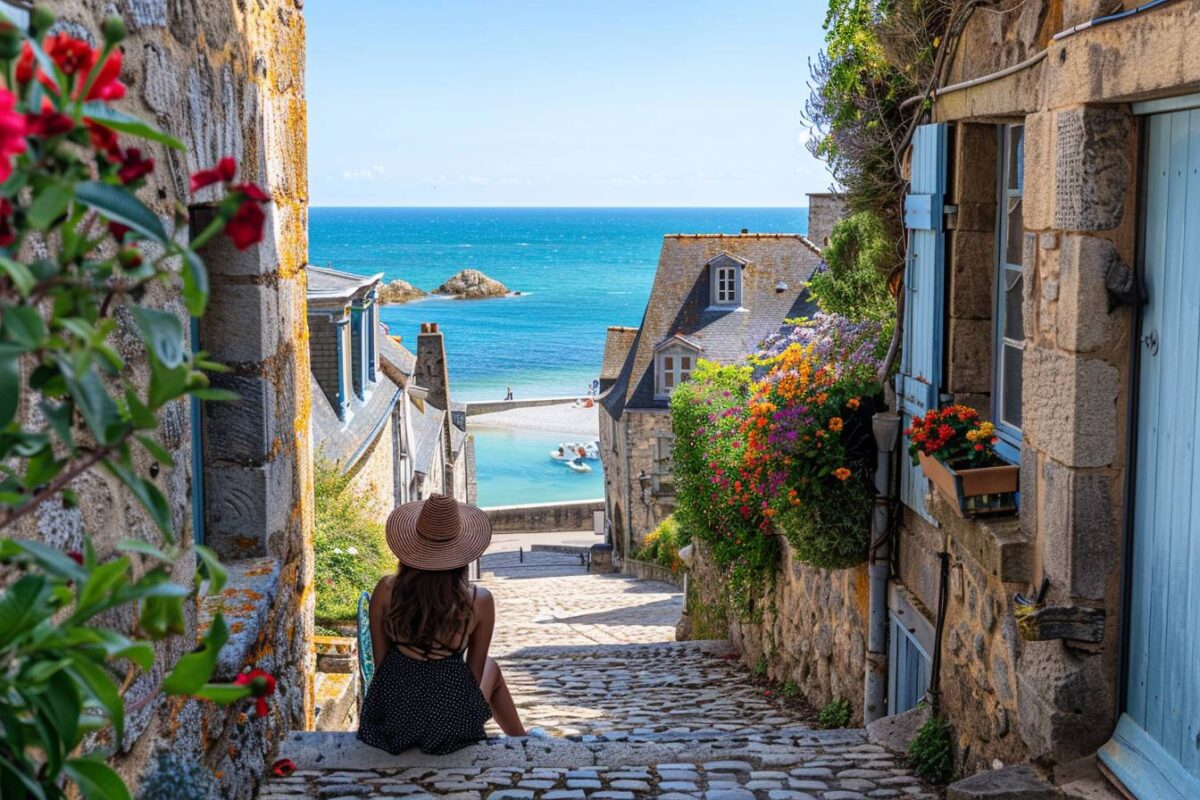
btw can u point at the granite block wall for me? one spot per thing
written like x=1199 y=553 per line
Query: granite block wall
x=226 y=78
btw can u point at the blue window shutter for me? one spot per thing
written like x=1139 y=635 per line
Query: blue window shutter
x=924 y=276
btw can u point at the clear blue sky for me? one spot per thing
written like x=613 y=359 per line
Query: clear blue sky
x=561 y=102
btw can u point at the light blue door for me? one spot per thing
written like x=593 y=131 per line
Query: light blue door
x=924 y=274
x=1155 y=750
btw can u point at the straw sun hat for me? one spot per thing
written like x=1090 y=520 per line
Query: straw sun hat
x=438 y=533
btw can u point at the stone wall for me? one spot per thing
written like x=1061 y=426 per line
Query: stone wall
x=638 y=429
x=226 y=78
x=824 y=211
x=812 y=630
x=544 y=518
x=1048 y=700
x=373 y=476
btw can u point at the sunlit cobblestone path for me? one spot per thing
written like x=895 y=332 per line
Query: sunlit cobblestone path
x=590 y=659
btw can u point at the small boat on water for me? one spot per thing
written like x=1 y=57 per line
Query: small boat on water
x=568 y=451
x=578 y=465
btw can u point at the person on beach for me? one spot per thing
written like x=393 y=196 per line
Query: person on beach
x=435 y=684
x=509 y=395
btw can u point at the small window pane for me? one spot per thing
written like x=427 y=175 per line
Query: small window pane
x=669 y=380
x=1010 y=406
x=1016 y=232
x=1016 y=157
x=668 y=363
x=685 y=363
x=1013 y=323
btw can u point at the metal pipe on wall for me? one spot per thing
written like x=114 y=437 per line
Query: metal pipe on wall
x=886 y=427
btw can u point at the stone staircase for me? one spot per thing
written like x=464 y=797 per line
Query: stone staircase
x=629 y=714
x=670 y=720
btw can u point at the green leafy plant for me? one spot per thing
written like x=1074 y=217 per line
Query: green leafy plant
x=858 y=258
x=662 y=545
x=79 y=252
x=931 y=752
x=789 y=689
x=349 y=547
x=760 y=668
x=835 y=714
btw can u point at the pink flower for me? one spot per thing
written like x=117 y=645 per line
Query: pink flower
x=12 y=133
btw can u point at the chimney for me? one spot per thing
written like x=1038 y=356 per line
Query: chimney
x=431 y=371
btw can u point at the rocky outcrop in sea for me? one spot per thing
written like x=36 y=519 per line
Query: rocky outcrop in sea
x=397 y=292
x=471 y=284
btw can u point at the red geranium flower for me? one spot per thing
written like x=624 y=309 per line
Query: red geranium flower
x=107 y=85
x=118 y=230
x=48 y=123
x=245 y=228
x=283 y=768
x=24 y=70
x=72 y=56
x=75 y=556
x=104 y=140
x=223 y=173
x=12 y=133
x=133 y=166
x=262 y=685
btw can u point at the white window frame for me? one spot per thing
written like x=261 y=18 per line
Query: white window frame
x=668 y=364
x=1009 y=278
x=726 y=284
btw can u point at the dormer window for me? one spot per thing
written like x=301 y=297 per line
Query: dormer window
x=725 y=275
x=674 y=361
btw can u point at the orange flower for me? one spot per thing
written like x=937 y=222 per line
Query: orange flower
x=841 y=473
x=835 y=424
x=853 y=403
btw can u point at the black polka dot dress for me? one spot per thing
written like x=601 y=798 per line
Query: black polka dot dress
x=434 y=704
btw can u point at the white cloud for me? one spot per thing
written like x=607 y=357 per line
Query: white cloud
x=366 y=174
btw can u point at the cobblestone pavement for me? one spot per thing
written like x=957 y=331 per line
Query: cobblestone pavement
x=633 y=714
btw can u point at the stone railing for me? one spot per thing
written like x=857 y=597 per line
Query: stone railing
x=544 y=518
x=492 y=406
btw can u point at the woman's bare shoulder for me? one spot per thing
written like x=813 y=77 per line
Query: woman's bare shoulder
x=382 y=590
x=484 y=602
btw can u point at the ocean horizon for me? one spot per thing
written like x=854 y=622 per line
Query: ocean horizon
x=579 y=270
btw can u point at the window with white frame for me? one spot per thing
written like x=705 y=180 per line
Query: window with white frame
x=661 y=475
x=725 y=274
x=674 y=366
x=1007 y=314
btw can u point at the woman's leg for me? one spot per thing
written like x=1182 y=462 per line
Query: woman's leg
x=504 y=710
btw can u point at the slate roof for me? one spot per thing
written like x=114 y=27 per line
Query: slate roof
x=777 y=268
x=616 y=348
x=330 y=286
x=400 y=356
x=427 y=433
x=345 y=442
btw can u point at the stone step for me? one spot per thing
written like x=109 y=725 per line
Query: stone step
x=801 y=765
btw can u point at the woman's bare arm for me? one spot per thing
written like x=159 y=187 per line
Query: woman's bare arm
x=480 y=638
x=381 y=598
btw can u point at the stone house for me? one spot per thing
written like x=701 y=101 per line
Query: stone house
x=1054 y=218
x=226 y=78
x=397 y=438
x=715 y=297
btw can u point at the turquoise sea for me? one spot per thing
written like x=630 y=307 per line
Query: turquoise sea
x=579 y=270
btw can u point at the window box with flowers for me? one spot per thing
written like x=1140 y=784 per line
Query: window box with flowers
x=956 y=451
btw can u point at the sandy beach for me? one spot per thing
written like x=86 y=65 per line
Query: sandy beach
x=580 y=422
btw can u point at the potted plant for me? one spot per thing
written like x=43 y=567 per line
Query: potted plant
x=955 y=449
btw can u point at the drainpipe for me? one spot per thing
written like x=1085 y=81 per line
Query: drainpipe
x=886 y=427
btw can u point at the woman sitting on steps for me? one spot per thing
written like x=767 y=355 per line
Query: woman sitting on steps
x=435 y=685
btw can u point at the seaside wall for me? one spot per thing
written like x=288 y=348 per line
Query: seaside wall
x=808 y=629
x=475 y=408
x=374 y=476
x=544 y=518
x=225 y=77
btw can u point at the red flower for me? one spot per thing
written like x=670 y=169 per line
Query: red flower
x=262 y=685
x=72 y=56
x=104 y=140
x=223 y=173
x=12 y=133
x=24 y=71
x=118 y=230
x=107 y=85
x=48 y=123
x=283 y=768
x=7 y=234
x=133 y=166
x=245 y=228
x=75 y=556
x=251 y=191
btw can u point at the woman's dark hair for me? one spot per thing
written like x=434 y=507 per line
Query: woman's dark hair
x=429 y=610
